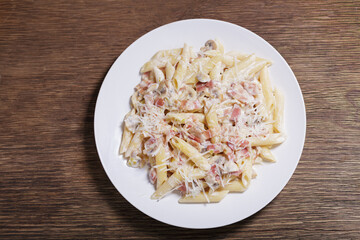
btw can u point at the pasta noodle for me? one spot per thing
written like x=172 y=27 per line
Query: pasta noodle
x=201 y=120
x=161 y=170
x=205 y=197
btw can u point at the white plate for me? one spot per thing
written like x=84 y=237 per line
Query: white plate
x=113 y=103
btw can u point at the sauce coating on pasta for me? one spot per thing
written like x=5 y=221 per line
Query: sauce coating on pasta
x=201 y=120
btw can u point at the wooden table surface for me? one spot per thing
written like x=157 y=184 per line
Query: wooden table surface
x=53 y=58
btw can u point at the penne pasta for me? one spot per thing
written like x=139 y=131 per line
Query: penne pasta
x=160 y=59
x=169 y=71
x=228 y=61
x=219 y=47
x=166 y=54
x=215 y=197
x=266 y=89
x=267 y=155
x=215 y=73
x=172 y=182
x=159 y=75
x=255 y=68
x=179 y=73
x=232 y=72
x=211 y=118
x=234 y=186
x=161 y=170
x=148 y=66
x=247 y=174
x=181 y=68
x=271 y=139
x=201 y=120
x=241 y=56
x=209 y=65
x=185 y=117
x=191 y=152
x=125 y=141
x=135 y=144
x=278 y=111
x=212 y=122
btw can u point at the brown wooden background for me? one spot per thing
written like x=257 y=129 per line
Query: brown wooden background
x=53 y=58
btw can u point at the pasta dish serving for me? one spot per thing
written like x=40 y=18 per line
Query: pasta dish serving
x=200 y=120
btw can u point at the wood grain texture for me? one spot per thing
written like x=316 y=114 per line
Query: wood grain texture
x=53 y=58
